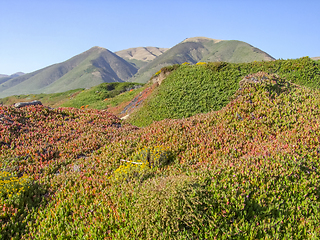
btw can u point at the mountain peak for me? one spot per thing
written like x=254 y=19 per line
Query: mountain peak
x=201 y=39
x=97 y=47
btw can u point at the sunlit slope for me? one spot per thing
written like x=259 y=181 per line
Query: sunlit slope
x=85 y=70
x=189 y=90
x=140 y=56
x=202 y=49
x=247 y=171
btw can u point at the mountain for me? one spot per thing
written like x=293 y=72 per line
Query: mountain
x=4 y=77
x=90 y=68
x=315 y=58
x=140 y=56
x=201 y=49
x=99 y=65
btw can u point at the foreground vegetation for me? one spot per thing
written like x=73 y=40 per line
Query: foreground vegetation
x=247 y=171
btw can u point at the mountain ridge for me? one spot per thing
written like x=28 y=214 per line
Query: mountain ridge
x=98 y=65
x=193 y=50
x=88 y=68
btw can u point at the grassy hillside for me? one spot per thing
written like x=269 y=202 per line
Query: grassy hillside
x=85 y=70
x=98 y=97
x=51 y=100
x=203 y=49
x=247 y=171
x=4 y=78
x=199 y=89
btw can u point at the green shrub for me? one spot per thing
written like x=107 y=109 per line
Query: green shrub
x=170 y=68
x=215 y=66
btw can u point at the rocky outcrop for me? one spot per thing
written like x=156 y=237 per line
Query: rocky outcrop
x=23 y=104
x=160 y=77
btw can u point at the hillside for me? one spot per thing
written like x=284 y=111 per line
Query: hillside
x=85 y=70
x=193 y=89
x=4 y=78
x=101 y=96
x=247 y=171
x=201 y=49
x=140 y=56
x=99 y=65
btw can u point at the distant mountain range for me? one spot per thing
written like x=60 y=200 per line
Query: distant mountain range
x=4 y=77
x=201 y=49
x=98 y=65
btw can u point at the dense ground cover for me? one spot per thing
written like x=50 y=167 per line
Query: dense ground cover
x=98 y=97
x=247 y=171
x=51 y=99
x=191 y=89
x=95 y=96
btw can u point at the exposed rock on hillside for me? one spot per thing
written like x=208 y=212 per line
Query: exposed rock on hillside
x=141 y=53
x=23 y=104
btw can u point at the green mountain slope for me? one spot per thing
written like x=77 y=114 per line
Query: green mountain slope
x=193 y=50
x=95 y=66
x=4 y=77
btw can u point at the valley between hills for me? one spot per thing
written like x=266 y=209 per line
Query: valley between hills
x=201 y=145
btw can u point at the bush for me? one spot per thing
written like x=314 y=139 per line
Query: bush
x=216 y=66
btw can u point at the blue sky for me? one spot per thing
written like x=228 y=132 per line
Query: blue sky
x=35 y=34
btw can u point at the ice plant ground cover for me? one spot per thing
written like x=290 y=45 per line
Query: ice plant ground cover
x=247 y=171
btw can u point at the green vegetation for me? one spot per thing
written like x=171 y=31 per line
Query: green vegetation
x=199 y=89
x=98 y=97
x=52 y=99
x=95 y=96
x=249 y=170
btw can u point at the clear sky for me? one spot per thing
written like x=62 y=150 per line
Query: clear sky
x=38 y=33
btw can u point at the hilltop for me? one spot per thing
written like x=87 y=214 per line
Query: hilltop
x=201 y=49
